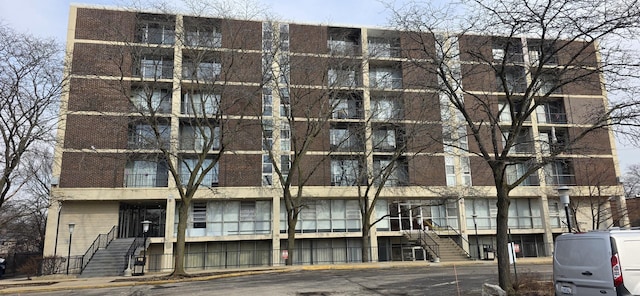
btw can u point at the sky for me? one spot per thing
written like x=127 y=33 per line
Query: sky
x=49 y=18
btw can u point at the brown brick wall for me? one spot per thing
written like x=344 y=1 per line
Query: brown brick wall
x=241 y=34
x=101 y=59
x=240 y=170
x=427 y=171
x=321 y=176
x=241 y=100
x=308 y=39
x=310 y=103
x=99 y=95
x=102 y=132
x=594 y=172
x=475 y=48
x=243 y=134
x=107 y=25
x=418 y=76
x=576 y=53
x=319 y=143
x=583 y=110
x=478 y=78
x=593 y=142
x=86 y=170
x=306 y=70
x=424 y=138
x=581 y=82
x=417 y=45
x=241 y=67
x=481 y=174
x=421 y=106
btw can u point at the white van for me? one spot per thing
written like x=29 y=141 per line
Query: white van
x=605 y=262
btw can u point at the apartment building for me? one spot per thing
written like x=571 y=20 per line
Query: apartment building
x=137 y=76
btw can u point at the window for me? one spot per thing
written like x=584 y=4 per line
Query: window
x=204 y=37
x=548 y=83
x=156 y=33
x=284 y=37
x=525 y=213
x=346 y=108
x=344 y=139
x=285 y=102
x=342 y=47
x=515 y=171
x=466 y=170
x=485 y=210
x=397 y=176
x=146 y=173
x=199 y=215
x=342 y=78
x=344 y=172
x=285 y=136
x=144 y=100
x=143 y=136
x=522 y=143
x=505 y=111
x=554 y=213
x=206 y=70
x=544 y=52
x=155 y=68
x=188 y=167
x=551 y=112
x=386 y=108
x=553 y=139
x=385 y=78
x=383 y=47
x=325 y=216
x=200 y=103
x=450 y=170
x=515 y=80
x=267 y=170
x=267 y=102
x=507 y=49
x=560 y=172
x=267 y=135
x=384 y=139
x=199 y=137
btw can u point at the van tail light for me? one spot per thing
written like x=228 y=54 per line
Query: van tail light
x=617 y=270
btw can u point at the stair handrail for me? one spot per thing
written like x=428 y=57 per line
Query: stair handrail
x=101 y=242
x=137 y=242
x=458 y=234
x=431 y=244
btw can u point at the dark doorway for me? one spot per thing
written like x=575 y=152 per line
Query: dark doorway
x=132 y=215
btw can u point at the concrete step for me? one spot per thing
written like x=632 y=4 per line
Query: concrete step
x=110 y=261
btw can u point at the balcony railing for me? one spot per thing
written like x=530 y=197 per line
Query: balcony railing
x=531 y=180
x=386 y=83
x=383 y=51
x=560 y=118
x=344 y=49
x=561 y=180
x=145 y=180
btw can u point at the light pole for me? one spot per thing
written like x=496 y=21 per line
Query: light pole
x=145 y=229
x=563 y=191
x=475 y=225
x=72 y=226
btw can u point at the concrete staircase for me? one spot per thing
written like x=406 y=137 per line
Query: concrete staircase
x=109 y=261
x=448 y=250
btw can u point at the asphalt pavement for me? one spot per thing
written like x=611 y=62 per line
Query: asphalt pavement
x=64 y=282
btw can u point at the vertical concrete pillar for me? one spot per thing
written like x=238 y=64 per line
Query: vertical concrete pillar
x=275 y=229
x=167 y=255
x=548 y=233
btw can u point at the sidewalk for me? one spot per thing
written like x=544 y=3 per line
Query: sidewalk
x=64 y=282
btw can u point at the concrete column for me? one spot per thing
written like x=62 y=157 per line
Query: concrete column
x=167 y=258
x=548 y=233
x=462 y=219
x=52 y=230
x=275 y=229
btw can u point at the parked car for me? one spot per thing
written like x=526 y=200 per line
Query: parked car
x=3 y=266
x=605 y=262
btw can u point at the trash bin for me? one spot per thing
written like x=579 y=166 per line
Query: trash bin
x=138 y=266
x=489 y=253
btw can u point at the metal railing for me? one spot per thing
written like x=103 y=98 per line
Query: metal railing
x=427 y=242
x=137 y=242
x=448 y=229
x=101 y=242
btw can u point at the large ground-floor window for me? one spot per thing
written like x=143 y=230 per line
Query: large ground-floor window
x=325 y=216
x=524 y=213
x=218 y=218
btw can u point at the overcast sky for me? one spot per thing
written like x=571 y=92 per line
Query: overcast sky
x=49 y=18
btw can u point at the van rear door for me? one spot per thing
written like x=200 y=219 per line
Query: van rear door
x=628 y=246
x=582 y=265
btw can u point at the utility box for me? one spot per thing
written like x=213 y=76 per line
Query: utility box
x=138 y=265
x=489 y=253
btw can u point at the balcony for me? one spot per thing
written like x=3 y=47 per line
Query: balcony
x=561 y=179
x=201 y=38
x=154 y=68
x=343 y=48
x=386 y=83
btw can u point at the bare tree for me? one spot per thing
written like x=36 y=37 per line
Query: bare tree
x=31 y=82
x=504 y=61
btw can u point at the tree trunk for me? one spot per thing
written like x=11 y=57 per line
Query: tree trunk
x=502 y=237
x=183 y=211
x=366 y=238
x=292 y=220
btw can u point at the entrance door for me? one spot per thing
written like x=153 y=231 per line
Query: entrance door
x=132 y=215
